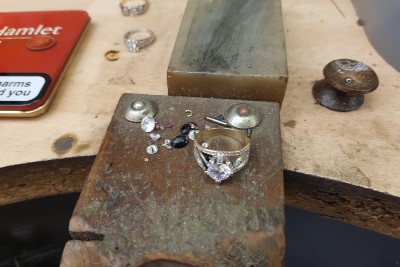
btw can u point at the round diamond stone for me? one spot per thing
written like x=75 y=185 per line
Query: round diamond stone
x=152 y=149
x=133 y=47
x=219 y=172
x=219 y=168
x=148 y=124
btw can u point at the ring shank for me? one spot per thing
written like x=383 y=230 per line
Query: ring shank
x=221 y=152
x=222 y=140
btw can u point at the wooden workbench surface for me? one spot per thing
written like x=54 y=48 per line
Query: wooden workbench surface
x=347 y=158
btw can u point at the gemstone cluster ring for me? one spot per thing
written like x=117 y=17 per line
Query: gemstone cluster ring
x=133 y=7
x=221 y=152
x=137 y=39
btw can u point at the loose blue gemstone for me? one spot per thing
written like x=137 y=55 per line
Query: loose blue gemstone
x=221 y=118
x=179 y=142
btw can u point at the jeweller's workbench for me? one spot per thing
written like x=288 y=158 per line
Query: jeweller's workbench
x=341 y=165
x=139 y=207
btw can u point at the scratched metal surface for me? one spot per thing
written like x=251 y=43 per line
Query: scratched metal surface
x=166 y=207
x=230 y=49
x=236 y=36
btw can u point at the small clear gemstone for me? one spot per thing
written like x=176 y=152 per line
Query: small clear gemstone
x=167 y=143
x=148 y=124
x=154 y=136
x=206 y=126
x=152 y=149
x=134 y=48
x=192 y=134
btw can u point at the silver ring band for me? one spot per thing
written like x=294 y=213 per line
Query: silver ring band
x=221 y=152
x=133 y=44
x=133 y=7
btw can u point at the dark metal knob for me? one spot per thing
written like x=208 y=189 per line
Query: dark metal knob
x=346 y=81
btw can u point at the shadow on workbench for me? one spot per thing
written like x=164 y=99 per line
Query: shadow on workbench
x=33 y=233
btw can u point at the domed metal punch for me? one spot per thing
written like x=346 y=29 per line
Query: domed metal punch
x=241 y=116
x=139 y=108
x=346 y=81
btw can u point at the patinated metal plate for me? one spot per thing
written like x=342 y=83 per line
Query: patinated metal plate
x=141 y=209
x=230 y=49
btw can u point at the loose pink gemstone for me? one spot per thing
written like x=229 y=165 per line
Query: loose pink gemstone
x=157 y=125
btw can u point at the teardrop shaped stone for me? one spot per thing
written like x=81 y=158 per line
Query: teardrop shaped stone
x=187 y=127
x=155 y=136
x=179 y=142
x=152 y=149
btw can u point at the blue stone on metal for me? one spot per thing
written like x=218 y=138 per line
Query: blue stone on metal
x=221 y=117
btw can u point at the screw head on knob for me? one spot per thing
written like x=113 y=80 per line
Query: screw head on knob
x=346 y=81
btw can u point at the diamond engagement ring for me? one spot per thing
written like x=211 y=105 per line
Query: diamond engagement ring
x=133 y=7
x=221 y=152
x=137 y=39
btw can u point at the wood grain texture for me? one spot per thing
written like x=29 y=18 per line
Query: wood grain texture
x=167 y=208
x=46 y=178
x=91 y=87
x=350 y=204
x=79 y=253
x=230 y=49
x=346 y=150
x=358 y=148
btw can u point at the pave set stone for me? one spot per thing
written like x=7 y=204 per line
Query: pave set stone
x=134 y=11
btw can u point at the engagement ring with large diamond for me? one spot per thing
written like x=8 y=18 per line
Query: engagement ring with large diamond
x=137 y=39
x=221 y=152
